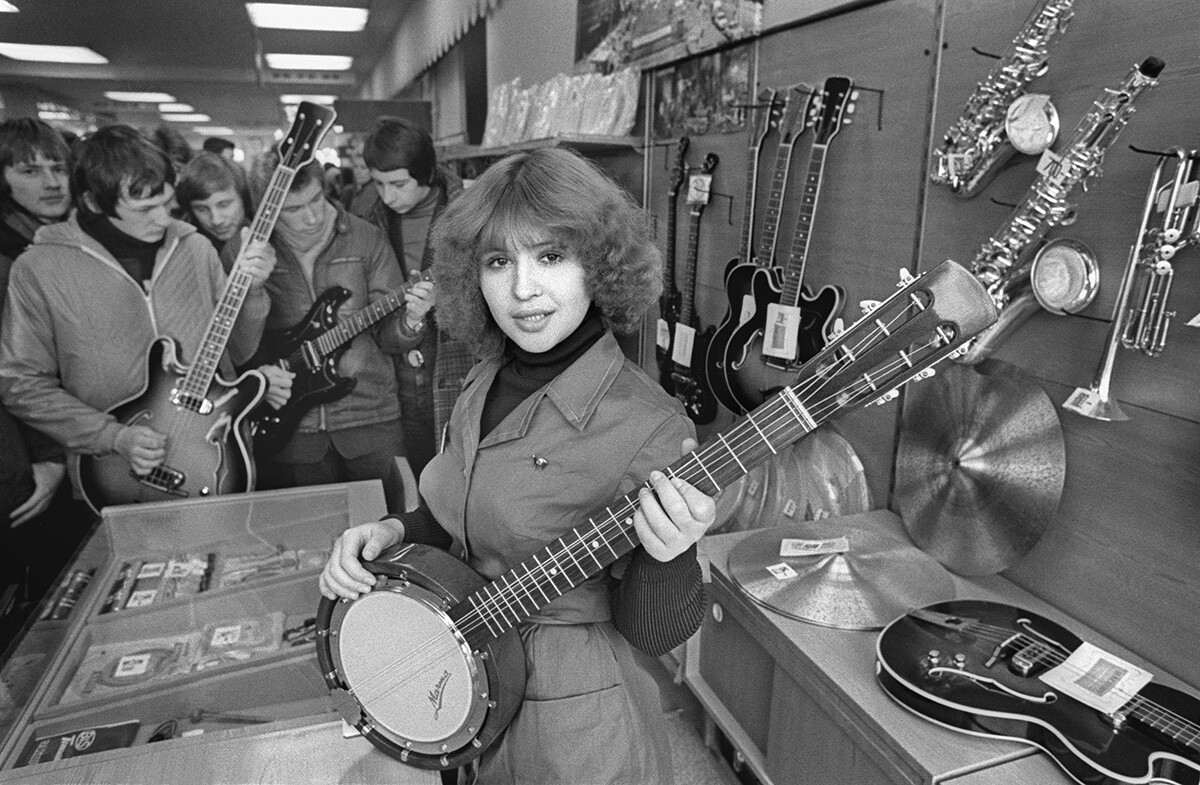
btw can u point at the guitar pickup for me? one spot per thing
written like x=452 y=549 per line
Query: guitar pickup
x=1027 y=659
x=191 y=401
x=165 y=479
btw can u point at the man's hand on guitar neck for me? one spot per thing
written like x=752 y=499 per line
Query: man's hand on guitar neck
x=143 y=447
x=259 y=259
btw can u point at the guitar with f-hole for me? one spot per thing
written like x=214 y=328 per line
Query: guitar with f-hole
x=741 y=274
x=790 y=324
x=668 y=302
x=204 y=417
x=690 y=346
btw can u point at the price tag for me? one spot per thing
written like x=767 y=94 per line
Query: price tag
x=179 y=569
x=141 y=598
x=699 y=187
x=132 y=665
x=782 y=571
x=685 y=338
x=151 y=570
x=783 y=329
x=226 y=636
x=797 y=547
x=1097 y=679
x=748 y=308
x=1049 y=164
x=663 y=338
x=1083 y=399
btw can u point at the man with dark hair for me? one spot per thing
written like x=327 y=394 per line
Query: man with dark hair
x=213 y=198
x=320 y=245
x=91 y=294
x=360 y=197
x=413 y=190
x=222 y=147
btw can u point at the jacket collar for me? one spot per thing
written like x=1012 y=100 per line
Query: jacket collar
x=69 y=233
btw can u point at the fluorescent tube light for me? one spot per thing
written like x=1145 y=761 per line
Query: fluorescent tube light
x=213 y=130
x=292 y=98
x=140 y=98
x=7 y=7
x=287 y=16
x=176 y=107
x=187 y=118
x=53 y=114
x=293 y=62
x=49 y=53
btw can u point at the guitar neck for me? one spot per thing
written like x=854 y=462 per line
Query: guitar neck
x=770 y=230
x=747 y=243
x=352 y=326
x=220 y=327
x=669 y=263
x=687 y=308
x=793 y=273
x=1179 y=728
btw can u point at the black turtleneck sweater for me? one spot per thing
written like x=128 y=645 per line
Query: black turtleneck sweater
x=136 y=256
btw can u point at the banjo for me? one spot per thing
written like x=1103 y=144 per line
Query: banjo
x=428 y=666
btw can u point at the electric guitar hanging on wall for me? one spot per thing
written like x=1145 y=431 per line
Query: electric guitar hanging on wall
x=790 y=324
x=990 y=669
x=429 y=664
x=311 y=349
x=691 y=346
x=203 y=417
x=668 y=302
x=763 y=117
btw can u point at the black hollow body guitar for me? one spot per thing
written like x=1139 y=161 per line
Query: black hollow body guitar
x=763 y=117
x=204 y=418
x=977 y=667
x=690 y=345
x=311 y=350
x=790 y=324
x=668 y=302
x=429 y=666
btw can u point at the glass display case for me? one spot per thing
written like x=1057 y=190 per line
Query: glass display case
x=197 y=620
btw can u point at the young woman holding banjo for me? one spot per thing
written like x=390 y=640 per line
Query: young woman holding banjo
x=538 y=264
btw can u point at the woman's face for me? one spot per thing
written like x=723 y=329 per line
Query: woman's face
x=537 y=293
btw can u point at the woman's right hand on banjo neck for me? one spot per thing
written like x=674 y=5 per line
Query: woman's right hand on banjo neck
x=344 y=575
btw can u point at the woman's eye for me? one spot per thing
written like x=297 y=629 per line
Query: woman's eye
x=496 y=262
x=552 y=258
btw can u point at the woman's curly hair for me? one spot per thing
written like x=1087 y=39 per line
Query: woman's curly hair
x=523 y=198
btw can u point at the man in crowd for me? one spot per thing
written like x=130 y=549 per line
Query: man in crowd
x=212 y=197
x=360 y=197
x=91 y=294
x=320 y=245
x=413 y=190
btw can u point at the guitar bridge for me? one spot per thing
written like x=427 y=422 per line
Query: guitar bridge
x=165 y=479
x=191 y=401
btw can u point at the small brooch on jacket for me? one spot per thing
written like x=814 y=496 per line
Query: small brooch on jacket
x=540 y=463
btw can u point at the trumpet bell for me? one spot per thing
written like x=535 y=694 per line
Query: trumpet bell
x=1064 y=276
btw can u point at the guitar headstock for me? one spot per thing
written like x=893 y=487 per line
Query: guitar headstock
x=679 y=171
x=796 y=113
x=700 y=183
x=828 y=110
x=764 y=116
x=899 y=340
x=300 y=143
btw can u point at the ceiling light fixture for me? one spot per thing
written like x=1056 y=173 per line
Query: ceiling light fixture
x=7 y=7
x=53 y=114
x=292 y=98
x=139 y=98
x=287 y=16
x=50 y=53
x=293 y=62
x=187 y=118
x=176 y=107
x=213 y=130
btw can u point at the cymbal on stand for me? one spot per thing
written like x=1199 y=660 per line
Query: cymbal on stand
x=877 y=577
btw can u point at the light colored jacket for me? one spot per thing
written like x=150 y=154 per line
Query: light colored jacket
x=77 y=328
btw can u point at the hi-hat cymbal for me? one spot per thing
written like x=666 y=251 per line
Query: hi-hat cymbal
x=878 y=577
x=980 y=467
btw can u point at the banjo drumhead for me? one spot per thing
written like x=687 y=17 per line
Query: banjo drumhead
x=408 y=669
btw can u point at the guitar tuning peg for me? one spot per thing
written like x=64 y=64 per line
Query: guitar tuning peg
x=905 y=278
x=960 y=351
x=853 y=95
x=847 y=121
x=890 y=395
x=868 y=305
x=928 y=373
x=849 y=109
x=839 y=327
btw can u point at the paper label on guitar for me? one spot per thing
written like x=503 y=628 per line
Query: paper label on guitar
x=783 y=329
x=748 y=309
x=699 y=186
x=1097 y=679
x=797 y=547
x=782 y=571
x=685 y=338
x=664 y=335
x=1082 y=399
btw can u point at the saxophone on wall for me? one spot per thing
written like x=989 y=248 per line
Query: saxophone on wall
x=1000 y=118
x=1003 y=263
